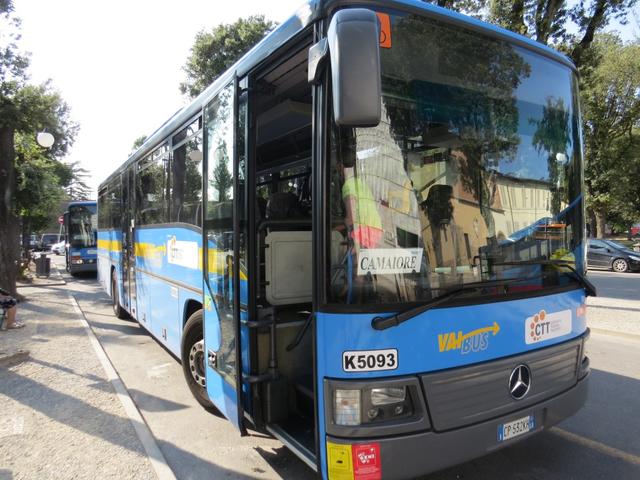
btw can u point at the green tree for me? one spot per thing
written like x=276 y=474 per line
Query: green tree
x=611 y=111
x=38 y=188
x=469 y=7
x=74 y=183
x=546 y=20
x=222 y=180
x=625 y=209
x=553 y=136
x=24 y=110
x=215 y=51
x=137 y=143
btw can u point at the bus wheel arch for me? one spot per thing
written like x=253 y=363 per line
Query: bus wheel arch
x=191 y=306
x=193 y=358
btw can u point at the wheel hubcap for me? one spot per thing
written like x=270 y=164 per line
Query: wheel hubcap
x=196 y=363
x=619 y=266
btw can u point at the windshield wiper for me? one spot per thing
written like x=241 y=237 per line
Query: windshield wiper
x=589 y=287
x=382 y=323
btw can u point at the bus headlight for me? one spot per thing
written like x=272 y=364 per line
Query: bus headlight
x=370 y=407
x=363 y=406
x=346 y=407
x=388 y=395
x=388 y=403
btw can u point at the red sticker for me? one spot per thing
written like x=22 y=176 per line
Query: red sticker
x=366 y=462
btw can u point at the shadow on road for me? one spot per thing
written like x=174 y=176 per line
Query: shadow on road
x=90 y=420
x=152 y=403
x=283 y=461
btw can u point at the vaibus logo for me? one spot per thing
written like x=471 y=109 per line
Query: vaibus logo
x=474 y=341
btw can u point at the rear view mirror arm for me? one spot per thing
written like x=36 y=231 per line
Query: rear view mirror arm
x=317 y=56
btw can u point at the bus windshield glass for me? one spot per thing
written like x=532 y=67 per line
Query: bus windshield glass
x=475 y=166
x=82 y=225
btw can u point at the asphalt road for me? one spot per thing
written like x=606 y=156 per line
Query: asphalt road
x=622 y=286
x=600 y=442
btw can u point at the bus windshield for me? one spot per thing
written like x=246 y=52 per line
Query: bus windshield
x=82 y=224
x=476 y=165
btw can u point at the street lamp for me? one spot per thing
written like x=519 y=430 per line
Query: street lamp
x=45 y=139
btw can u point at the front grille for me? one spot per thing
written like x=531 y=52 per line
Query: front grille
x=468 y=395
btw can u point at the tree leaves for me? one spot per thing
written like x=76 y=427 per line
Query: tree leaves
x=215 y=51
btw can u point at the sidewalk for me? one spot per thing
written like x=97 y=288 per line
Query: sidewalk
x=614 y=315
x=59 y=414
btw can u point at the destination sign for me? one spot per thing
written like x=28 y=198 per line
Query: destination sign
x=389 y=260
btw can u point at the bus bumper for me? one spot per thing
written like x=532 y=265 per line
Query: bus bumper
x=83 y=267
x=413 y=455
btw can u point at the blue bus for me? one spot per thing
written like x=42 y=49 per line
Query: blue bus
x=80 y=226
x=367 y=239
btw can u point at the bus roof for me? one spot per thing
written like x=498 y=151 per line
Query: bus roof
x=305 y=15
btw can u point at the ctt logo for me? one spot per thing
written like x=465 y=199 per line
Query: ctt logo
x=474 y=341
x=545 y=326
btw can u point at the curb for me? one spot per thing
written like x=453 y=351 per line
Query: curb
x=154 y=453
x=13 y=358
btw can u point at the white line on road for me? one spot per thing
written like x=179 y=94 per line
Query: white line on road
x=156 y=458
x=597 y=446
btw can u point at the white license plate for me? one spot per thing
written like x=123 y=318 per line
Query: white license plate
x=516 y=428
x=370 y=360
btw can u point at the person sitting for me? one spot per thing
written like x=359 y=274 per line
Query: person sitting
x=8 y=304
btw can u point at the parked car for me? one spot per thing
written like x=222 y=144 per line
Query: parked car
x=611 y=255
x=48 y=239
x=59 y=248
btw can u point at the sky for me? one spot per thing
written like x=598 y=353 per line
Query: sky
x=118 y=64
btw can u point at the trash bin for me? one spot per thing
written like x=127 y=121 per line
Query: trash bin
x=43 y=266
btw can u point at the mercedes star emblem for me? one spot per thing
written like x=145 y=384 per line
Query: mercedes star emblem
x=520 y=382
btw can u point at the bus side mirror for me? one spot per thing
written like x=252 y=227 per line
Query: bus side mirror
x=353 y=39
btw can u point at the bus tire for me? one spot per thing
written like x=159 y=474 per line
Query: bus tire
x=117 y=308
x=194 y=358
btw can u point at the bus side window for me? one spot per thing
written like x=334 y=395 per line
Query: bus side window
x=150 y=183
x=185 y=189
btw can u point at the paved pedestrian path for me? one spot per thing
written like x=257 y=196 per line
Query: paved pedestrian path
x=60 y=417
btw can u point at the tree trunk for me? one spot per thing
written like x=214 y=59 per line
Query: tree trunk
x=592 y=226
x=600 y=223
x=8 y=223
x=595 y=22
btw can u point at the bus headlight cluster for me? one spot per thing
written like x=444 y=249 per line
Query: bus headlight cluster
x=347 y=407
x=362 y=406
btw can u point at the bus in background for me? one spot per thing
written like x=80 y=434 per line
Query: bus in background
x=80 y=225
x=366 y=238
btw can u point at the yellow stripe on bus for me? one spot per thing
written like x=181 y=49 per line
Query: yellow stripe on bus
x=151 y=251
x=110 y=245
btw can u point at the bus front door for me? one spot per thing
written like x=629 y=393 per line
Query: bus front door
x=221 y=245
x=128 y=245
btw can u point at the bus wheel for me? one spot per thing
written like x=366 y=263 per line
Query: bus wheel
x=194 y=358
x=117 y=309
